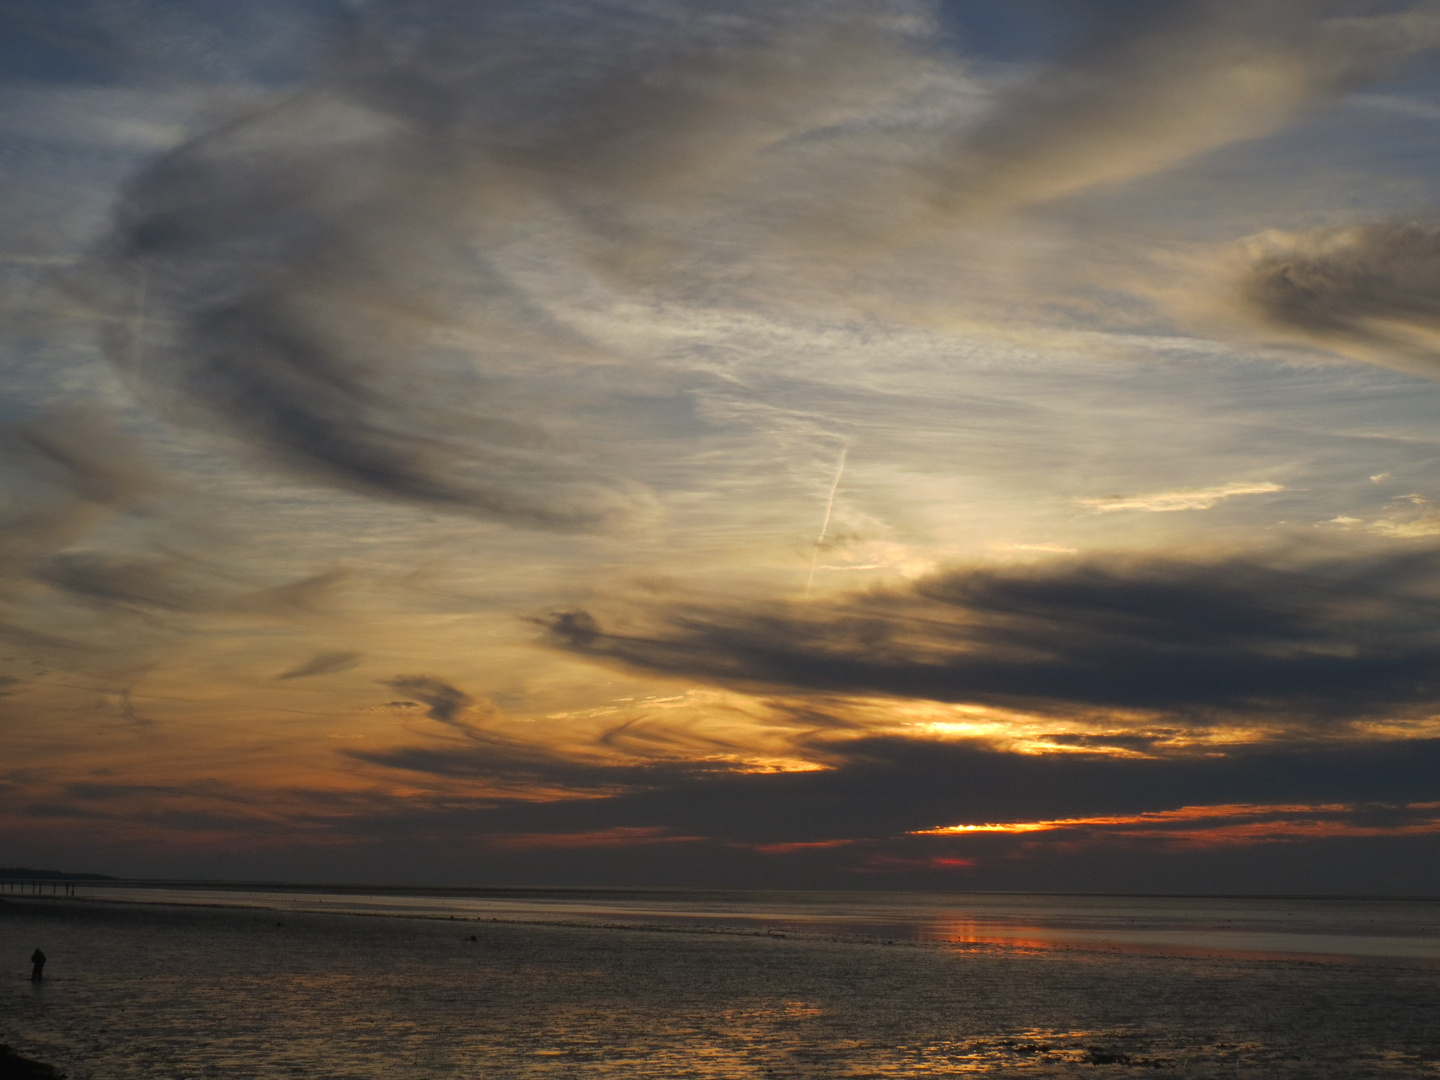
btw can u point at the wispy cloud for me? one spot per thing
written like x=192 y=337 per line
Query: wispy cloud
x=326 y=272
x=1180 y=499
x=289 y=257
x=1148 y=87
x=618 y=837
x=325 y=663
x=431 y=314
x=443 y=702
x=1227 y=825
x=1410 y=517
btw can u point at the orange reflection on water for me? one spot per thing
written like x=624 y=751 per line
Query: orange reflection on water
x=968 y=931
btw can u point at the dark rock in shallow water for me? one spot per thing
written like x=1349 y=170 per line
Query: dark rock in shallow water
x=15 y=1067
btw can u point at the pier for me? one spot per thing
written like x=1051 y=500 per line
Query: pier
x=37 y=886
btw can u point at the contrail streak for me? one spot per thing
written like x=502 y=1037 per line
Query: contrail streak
x=825 y=526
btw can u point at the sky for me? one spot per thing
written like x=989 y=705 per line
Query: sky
x=877 y=444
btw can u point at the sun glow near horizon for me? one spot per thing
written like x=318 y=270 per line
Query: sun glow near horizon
x=678 y=442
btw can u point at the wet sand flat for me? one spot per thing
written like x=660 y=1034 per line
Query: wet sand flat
x=160 y=991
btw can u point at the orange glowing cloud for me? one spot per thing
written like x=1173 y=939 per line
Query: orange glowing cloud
x=794 y=848
x=604 y=838
x=1234 y=824
x=880 y=864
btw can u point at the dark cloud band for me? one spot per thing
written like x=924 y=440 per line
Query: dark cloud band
x=1289 y=638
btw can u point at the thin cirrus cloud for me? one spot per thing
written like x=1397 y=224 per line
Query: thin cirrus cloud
x=71 y=473
x=1149 y=85
x=325 y=663
x=1182 y=499
x=328 y=271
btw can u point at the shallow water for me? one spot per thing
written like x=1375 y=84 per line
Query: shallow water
x=169 y=992
x=1338 y=928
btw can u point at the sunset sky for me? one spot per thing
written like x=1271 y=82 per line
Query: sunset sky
x=973 y=444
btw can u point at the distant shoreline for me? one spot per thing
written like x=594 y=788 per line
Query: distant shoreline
x=1057 y=944
x=481 y=891
x=723 y=930
x=25 y=873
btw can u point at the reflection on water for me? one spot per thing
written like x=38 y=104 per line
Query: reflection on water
x=145 y=991
x=1370 y=929
x=970 y=931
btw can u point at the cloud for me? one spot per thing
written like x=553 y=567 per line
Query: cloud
x=441 y=272
x=69 y=472
x=878 y=787
x=327 y=272
x=669 y=826
x=310 y=595
x=897 y=799
x=325 y=663
x=1244 y=824
x=78 y=449
x=95 y=558
x=443 y=702
x=1369 y=291
x=120 y=582
x=619 y=837
x=1182 y=499
x=1149 y=85
x=355 y=277
x=494 y=765
x=1411 y=517
x=1284 y=636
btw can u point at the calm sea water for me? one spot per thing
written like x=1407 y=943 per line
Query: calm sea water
x=604 y=985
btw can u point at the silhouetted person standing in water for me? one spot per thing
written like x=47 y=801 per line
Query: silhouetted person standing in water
x=38 y=971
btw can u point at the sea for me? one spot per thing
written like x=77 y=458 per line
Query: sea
x=245 y=981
